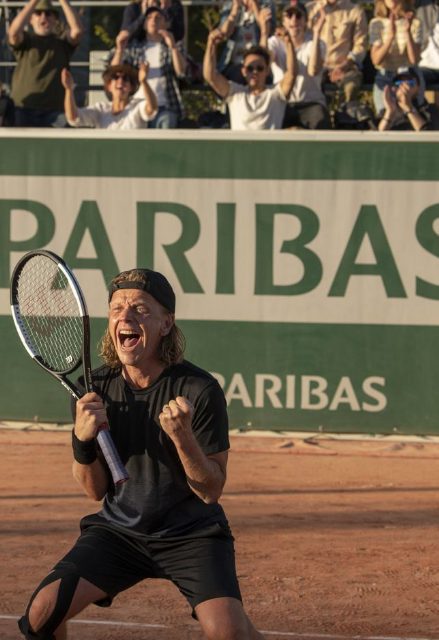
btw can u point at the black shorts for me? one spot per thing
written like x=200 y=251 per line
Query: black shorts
x=200 y=564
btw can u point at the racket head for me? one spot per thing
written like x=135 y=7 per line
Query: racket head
x=49 y=312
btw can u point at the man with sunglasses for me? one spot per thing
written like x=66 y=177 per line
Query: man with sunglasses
x=41 y=55
x=306 y=107
x=254 y=106
x=158 y=49
x=404 y=110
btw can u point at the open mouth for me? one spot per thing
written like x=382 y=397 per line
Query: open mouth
x=129 y=339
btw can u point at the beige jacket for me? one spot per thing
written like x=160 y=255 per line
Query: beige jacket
x=344 y=32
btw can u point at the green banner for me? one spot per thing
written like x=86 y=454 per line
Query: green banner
x=305 y=268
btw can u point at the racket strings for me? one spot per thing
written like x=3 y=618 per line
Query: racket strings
x=49 y=313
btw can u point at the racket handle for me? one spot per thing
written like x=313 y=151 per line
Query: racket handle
x=111 y=455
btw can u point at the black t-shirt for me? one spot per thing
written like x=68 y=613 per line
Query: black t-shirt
x=36 y=82
x=157 y=500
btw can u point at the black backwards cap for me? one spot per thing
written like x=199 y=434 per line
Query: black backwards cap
x=154 y=283
x=155 y=9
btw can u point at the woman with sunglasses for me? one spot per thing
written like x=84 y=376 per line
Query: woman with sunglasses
x=123 y=112
x=405 y=108
x=395 y=37
x=41 y=54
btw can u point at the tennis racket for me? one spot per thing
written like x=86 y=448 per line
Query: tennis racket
x=51 y=318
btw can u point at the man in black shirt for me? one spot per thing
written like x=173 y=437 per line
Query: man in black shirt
x=41 y=55
x=168 y=420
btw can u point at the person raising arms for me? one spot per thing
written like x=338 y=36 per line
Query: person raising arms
x=254 y=106
x=41 y=54
x=168 y=420
x=123 y=112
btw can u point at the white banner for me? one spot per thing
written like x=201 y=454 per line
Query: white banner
x=394 y=225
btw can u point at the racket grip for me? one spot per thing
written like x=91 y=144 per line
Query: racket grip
x=111 y=455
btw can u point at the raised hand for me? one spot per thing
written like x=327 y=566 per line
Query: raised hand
x=168 y=38
x=215 y=37
x=176 y=417
x=143 y=72
x=122 y=39
x=404 y=96
x=389 y=99
x=149 y=3
x=319 y=20
x=67 y=79
x=285 y=36
x=264 y=18
x=393 y=18
x=408 y=19
x=280 y=32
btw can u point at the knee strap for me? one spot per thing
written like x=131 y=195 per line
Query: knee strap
x=66 y=591
x=24 y=626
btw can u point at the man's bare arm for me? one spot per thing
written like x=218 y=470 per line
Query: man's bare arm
x=151 y=105
x=290 y=74
x=73 y=21
x=315 y=63
x=212 y=76
x=70 y=108
x=121 y=44
x=20 y=22
x=206 y=474
x=228 y=26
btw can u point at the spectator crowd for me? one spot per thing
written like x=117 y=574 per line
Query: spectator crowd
x=290 y=64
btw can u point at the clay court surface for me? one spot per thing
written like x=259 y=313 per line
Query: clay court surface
x=335 y=539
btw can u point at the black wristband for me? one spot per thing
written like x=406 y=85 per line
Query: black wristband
x=84 y=451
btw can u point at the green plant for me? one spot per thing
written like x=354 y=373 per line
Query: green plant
x=199 y=101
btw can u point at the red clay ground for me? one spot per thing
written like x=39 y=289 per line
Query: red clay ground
x=333 y=539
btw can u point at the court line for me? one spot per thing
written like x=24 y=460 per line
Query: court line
x=110 y=623
x=331 y=636
x=286 y=634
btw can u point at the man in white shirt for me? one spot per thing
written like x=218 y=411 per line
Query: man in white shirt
x=307 y=103
x=254 y=106
x=166 y=63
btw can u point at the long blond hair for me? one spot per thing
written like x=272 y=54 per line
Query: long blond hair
x=172 y=345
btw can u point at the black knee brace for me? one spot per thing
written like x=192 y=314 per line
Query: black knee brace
x=67 y=586
x=23 y=625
